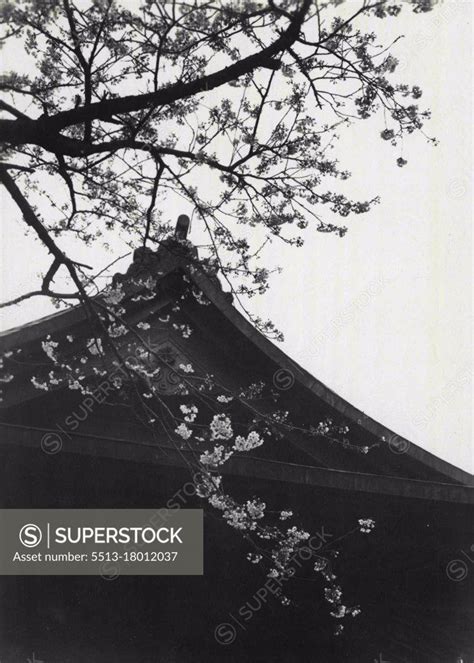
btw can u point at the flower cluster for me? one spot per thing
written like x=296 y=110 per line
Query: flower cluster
x=238 y=519
x=186 y=368
x=285 y=550
x=224 y=399
x=254 y=558
x=387 y=134
x=94 y=345
x=114 y=296
x=200 y=297
x=49 y=348
x=185 y=330
x=219 y=502
x=256 y=508
x=339 y=612
x=320 y=564
x=296 y=535
x=190 y=412
x=117 y=330
x=252 y=391
x=217 y=457
x=280 y=416
x=183 y=431
x=333 y=594
x=252 y=441
x=221 y=427
x=37 y=384
x=323 y=428
x=366 y=525
x=206 y=486
x=242 y=517
x=53 y=379
x=327 y=427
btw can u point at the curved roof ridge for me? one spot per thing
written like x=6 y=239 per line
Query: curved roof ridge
x=219 y=299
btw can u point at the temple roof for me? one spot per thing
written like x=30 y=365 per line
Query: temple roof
x=400 y=466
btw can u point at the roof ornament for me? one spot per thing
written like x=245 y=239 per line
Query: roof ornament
x=182 y=226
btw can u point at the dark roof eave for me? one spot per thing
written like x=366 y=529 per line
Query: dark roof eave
x=247 y=466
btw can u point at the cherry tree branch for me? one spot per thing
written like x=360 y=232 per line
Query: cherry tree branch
x=39 y=131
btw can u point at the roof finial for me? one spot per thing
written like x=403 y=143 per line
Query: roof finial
x=182 y=227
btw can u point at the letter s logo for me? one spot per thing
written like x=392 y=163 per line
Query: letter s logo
x=30 y=535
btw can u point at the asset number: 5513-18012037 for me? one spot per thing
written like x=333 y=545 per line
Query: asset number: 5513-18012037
x=135 y=556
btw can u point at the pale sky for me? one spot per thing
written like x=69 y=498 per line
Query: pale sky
x=382 y=316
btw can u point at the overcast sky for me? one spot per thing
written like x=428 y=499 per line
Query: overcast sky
x=383 y=315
